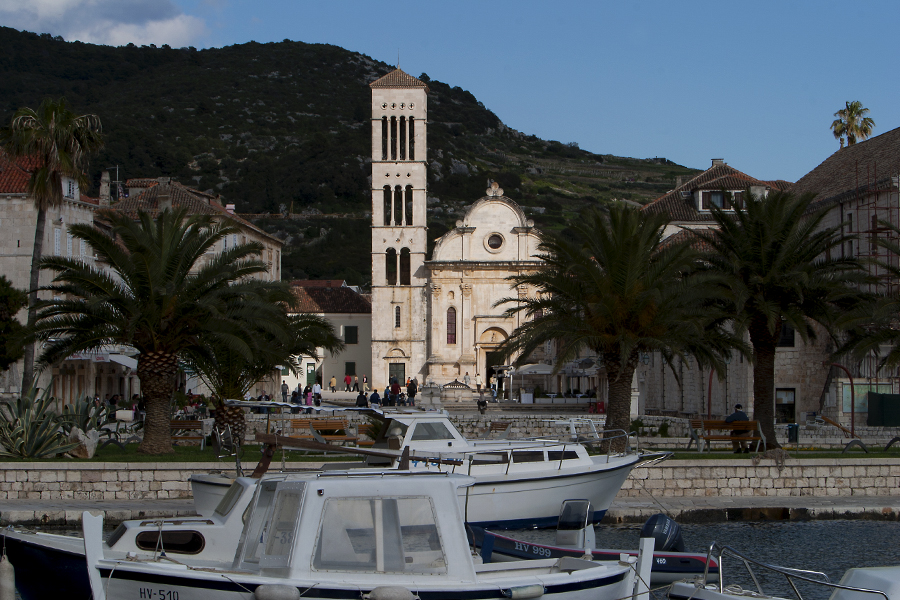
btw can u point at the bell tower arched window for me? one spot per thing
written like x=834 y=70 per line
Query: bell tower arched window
x=384 y=138
x=387 y=205
x=398 y=205
x=408 y=202
x=451 y=325
x=393 y=141
x=390 y=264
x=404 y=267
x=412 y=138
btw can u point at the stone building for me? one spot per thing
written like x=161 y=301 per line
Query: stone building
x=350 y=313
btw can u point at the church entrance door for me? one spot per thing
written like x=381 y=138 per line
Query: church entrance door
x=397 y=371
x=491 y=360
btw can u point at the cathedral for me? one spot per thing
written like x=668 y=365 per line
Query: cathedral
x=435 y=319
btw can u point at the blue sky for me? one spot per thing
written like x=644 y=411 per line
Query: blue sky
x=755 y=83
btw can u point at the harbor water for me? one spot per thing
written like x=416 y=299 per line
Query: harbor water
x=831 y=547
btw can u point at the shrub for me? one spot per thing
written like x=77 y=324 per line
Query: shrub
x=28 y=429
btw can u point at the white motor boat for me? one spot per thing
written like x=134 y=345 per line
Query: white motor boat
x=373 y=535
x=870 y=583
x=197 y=541
x=518 y=483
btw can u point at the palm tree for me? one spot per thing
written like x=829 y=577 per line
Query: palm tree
x=852 y=123
x=780 y=267
x=60 y=143
x=614 y=288
x=229 y=374
x=160 y=293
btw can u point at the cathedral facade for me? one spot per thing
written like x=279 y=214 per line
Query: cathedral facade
x=436 y=320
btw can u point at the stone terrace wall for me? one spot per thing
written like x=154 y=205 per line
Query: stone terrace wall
x=808 y=477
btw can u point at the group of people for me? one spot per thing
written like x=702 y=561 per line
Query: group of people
x=394 y=395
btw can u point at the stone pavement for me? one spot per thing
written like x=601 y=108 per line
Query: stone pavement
x=686 y=510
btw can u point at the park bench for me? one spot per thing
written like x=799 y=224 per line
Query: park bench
x=182 y=431
x=368 y=430
x=312 y=429
x=499 y=427
x=704 y=429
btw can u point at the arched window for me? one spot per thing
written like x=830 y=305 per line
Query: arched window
x=387 y=205
x=384 y=138
x=397 y=317
x=408 y=202
x=451 y=325
x=398 y=205
x=390 y=264
x=404 y=267
x=393 y=138
x=412 y=138
x=402 y=139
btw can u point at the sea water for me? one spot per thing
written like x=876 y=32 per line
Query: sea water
x=831 y=547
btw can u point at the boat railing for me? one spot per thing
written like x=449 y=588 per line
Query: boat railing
x=790 y=574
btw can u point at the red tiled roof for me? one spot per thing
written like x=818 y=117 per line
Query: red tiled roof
x=319 y=283
x=717 y=177
x=697 y=243
x=869 y=163
x=141 y=182
x=14 y=175
x=195 y=201
x=330 y=300
x=398 y=79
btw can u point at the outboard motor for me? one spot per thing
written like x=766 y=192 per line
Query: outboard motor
x=574 y=527
x=665 y=531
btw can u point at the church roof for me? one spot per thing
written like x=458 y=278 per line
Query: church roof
x=14 y=174
x=398 y=79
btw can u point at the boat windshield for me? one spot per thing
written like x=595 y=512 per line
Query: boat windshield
x=268 y=538
x=380 y=535
x=425 y=432
x=229 y=499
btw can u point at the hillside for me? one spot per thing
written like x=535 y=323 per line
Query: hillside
x=282 y=129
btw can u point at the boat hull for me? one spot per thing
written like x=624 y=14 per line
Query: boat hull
x=520 y=499
x=667 y=567
x=45 y=567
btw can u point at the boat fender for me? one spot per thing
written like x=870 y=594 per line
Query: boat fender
x=522 y=592
x=7 y=579
x=270 y=591
x=390 y=592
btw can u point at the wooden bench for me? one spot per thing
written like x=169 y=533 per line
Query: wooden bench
x=178 y=428
x=365 y=429
x=703 y=429
x=311 y=429
x=500 y=427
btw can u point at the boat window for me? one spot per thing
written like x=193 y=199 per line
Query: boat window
x=177 y=542
x=431 y=431
x=524 y=456
x=381 y=535
x=490 y=458
x=268 y=537
x=561 y=455
x=229 y=499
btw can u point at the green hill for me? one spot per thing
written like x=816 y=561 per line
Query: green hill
x=282 y=129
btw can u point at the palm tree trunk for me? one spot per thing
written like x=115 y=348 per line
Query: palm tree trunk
x=618 y=413
x=33 y=282
x=156 y=370
x=764 y=344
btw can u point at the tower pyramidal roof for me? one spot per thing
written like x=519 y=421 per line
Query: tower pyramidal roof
x=398 y=79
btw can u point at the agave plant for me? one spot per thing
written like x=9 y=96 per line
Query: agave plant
x=28 y=428
x=83 y=414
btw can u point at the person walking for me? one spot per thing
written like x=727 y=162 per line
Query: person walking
x=395 y=393
x=285 y=389
x=478 y=382
x=738 y=415
x=362 y=401
x=317 y=391
x=466 y=378
x=333 y=384
x=355 y=383
x=347 y=382
x=365 y=383
x=411 y=390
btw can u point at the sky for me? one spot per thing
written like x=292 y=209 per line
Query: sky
x=756 y=83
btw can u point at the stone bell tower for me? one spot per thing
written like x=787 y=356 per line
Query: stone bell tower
x=399 y=278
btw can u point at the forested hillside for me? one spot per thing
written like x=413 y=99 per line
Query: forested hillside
x=282 y=129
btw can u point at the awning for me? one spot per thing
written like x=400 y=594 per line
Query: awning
x=125 y=361
x=534 y=369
